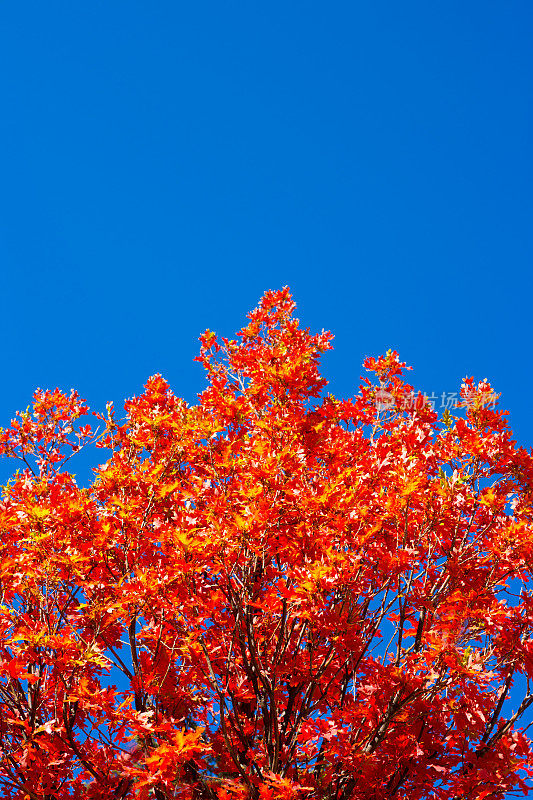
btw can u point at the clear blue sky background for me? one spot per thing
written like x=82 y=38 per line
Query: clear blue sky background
x=165 y=163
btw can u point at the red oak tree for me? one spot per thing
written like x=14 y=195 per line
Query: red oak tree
x=272 y=594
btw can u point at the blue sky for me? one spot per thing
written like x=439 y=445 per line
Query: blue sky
x=163 y=164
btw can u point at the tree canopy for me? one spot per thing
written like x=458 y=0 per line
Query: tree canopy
x=271 y=594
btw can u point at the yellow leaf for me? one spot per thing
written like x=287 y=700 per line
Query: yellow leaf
x=410 y=487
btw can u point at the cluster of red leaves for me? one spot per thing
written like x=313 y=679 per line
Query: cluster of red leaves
x=272 y=594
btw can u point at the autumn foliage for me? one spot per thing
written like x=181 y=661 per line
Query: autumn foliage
x=272 y=594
